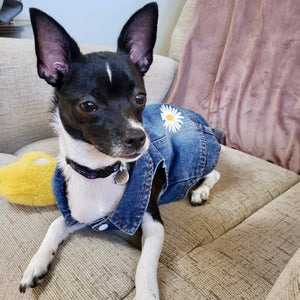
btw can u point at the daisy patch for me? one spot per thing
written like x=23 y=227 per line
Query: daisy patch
x=172 y=117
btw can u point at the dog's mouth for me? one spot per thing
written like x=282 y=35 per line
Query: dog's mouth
x=134 y=156
x=124 y=155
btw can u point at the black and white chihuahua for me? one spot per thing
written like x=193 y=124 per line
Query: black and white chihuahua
x=99 y=101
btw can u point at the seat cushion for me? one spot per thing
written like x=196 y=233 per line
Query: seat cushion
x=7 y=159
x=245 y=262
x=250 y=195
x=49 y=146
x=246 y=185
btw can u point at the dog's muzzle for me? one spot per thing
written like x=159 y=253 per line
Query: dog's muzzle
x=134 y=139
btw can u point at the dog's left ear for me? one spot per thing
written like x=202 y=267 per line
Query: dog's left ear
x=55 y=49
x=138 y=37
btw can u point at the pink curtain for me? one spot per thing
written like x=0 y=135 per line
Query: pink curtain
x=241 y=71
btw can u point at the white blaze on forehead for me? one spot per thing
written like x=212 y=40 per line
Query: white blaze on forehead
x=108 y=70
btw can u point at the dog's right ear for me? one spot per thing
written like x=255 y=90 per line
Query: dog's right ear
x=138 y=37
x=55 y=49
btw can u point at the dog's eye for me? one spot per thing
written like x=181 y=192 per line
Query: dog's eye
x=88 y=106
x=140 y=98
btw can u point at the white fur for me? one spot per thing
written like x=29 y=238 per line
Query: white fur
x=83 y=153
x=88 y=199
x=146 y=274
x=137 y=125
x=38 y=266
x=201 y=193
x=108 y=70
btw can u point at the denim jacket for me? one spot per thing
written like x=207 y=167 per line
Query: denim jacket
x=181 y=142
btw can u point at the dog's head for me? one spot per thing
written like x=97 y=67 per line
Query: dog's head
x=100 y=96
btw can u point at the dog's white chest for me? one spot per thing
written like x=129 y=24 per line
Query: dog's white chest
x=89 y=199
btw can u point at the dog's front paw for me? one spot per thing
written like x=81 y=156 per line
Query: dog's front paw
x=34 y=274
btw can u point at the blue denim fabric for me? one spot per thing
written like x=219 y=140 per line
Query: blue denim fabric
x=187 y=152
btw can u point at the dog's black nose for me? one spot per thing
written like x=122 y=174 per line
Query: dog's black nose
x=134 y=139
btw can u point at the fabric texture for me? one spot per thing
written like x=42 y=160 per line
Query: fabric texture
x=6 y=159
x=49 y=146
x=288 y=283
x=245 y=262
x=240 y=69
x=179 y=34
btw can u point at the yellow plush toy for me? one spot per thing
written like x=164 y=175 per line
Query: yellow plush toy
x=28 y=181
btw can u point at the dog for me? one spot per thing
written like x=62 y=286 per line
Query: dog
x=118 y=157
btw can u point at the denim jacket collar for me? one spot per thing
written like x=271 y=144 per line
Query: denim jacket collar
x=128 y=214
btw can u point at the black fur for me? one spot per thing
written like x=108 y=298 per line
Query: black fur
x=159 y=181
x=81 y=81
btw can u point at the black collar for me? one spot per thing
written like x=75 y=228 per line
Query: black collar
x=94 y=174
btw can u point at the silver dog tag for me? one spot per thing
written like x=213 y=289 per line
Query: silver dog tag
x=122 y=176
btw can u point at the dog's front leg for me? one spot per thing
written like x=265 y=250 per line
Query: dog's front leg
x=39 y=264
x=146 y=274
x=152 y=242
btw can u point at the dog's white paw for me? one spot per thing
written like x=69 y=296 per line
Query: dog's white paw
x=200 y=195
x=34 y=274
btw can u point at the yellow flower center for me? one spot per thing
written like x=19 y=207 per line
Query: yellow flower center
x=170 y=118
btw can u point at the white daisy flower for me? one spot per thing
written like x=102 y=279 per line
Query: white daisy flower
x=172 y=117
